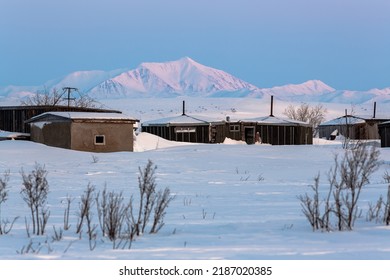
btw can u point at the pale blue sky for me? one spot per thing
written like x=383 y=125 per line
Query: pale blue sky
x=344 y=43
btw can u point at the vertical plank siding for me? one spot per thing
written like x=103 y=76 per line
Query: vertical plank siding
x=384 y=131
x=216 y=133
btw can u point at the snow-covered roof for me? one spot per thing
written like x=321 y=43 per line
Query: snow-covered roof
x=385 y=123
x=272 y=120
x=12 y=135
x=83 y=116
x=343 y=120
x=355 y=119
x=177 y=120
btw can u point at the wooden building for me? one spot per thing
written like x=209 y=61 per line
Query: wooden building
x=384 y=133
x=269 y=129
x=182 y=128
x=12 y=118
x=352 y=127
x=84 y=131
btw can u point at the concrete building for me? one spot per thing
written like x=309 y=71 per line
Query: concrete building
x=83 y=131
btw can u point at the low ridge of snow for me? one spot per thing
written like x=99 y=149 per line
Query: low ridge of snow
x=310 y=87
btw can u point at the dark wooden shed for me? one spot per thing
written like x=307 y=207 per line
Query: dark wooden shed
x=352 y=127
x=270 y=130
x=12 y=118
x=182 y=128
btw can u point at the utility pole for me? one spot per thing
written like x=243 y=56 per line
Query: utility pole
x=69 y=90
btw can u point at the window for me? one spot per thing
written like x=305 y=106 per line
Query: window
x=100 y=140
x=185 y=129
x=234 y=127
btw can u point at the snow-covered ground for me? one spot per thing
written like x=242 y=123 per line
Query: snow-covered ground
x=231 y=201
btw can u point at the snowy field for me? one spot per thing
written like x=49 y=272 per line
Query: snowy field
x=231 y=201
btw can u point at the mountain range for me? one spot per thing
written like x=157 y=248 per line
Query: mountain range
x=186 y=77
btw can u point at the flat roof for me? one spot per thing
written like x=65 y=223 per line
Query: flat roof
x=83 y=116
x=62 y=107
x=177 y=120
x=272 y=120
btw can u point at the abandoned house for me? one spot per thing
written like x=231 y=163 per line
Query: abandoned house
x=182 y=128
x=353 y=127
x=269 y=129
x=84 y=131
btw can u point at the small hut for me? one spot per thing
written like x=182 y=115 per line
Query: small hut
x=83 y=131
x=182 y=128
x=384 y=132
x=353 y=126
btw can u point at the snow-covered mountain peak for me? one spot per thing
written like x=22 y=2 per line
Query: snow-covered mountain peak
x=183 y=76
x=317 y=86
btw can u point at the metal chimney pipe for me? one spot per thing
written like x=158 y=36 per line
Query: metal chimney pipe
x=374 y=110
x=272 y=106
x=184 y=107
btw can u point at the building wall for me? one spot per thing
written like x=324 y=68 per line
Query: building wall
x=186 y=133
x=361 y=131
x=269 y=134
x=241 y=131
x=81 y=136
x=52 y=134
x=384 y=132
x=117 y=136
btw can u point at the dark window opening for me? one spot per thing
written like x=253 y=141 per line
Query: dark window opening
x=100 y=140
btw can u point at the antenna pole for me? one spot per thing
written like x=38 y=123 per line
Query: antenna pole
x=69 y=90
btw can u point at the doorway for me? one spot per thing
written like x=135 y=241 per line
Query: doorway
x=249 y=135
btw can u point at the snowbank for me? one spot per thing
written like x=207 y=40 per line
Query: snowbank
x=145 y=142
x=229 y=141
